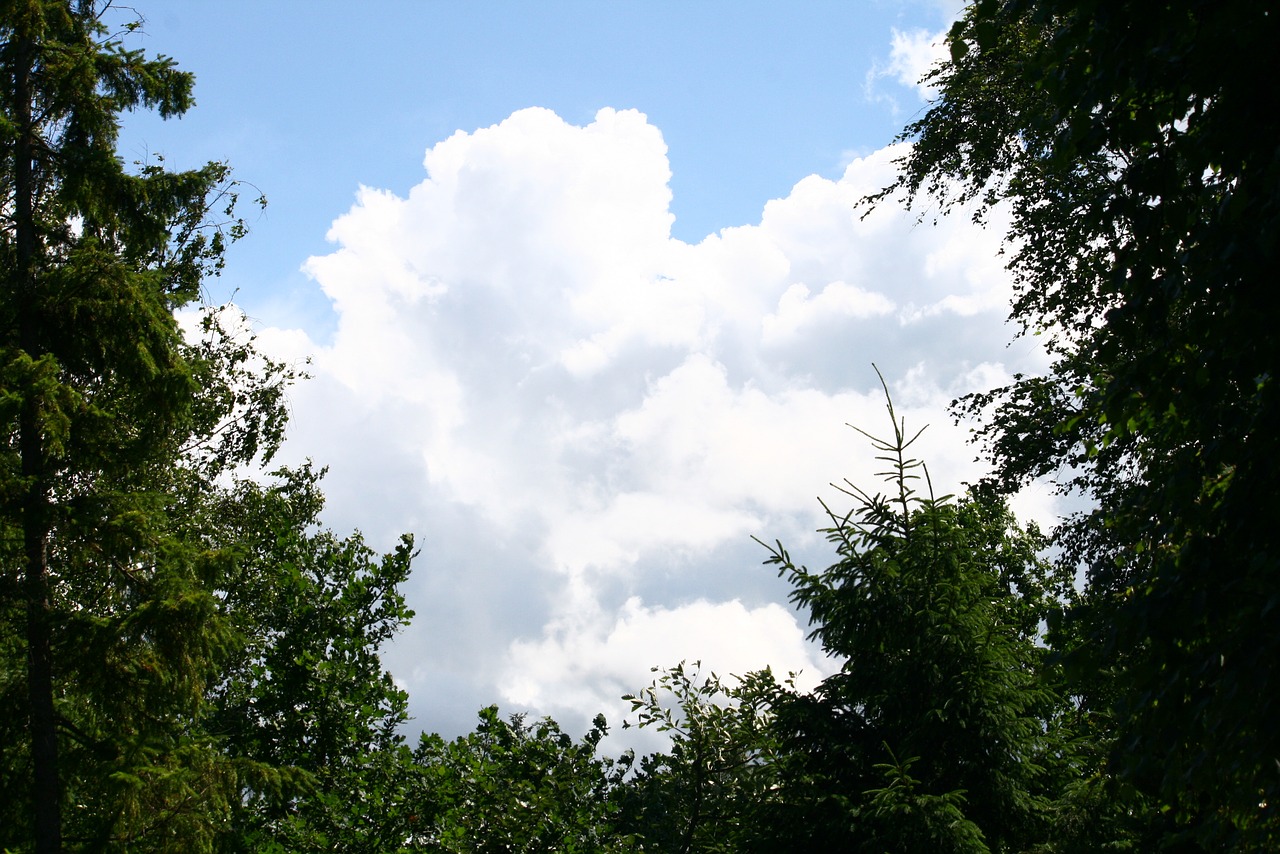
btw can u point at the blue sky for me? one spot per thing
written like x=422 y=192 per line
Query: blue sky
x=589 y=305
x=309 y=101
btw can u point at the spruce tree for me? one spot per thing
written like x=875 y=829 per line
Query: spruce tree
x=110 y=624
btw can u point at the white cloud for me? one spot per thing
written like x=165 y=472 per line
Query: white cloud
x=838 y=299
x=590 y=661
x=585 y=419
x=912 y=55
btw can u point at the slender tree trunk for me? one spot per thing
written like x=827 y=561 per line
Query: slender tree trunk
x=44 y=741
x=46 y=795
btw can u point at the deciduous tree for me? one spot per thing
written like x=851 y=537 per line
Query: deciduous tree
x=302 y=704
x=716 y=788
x=518 y=785
x=1138 y=156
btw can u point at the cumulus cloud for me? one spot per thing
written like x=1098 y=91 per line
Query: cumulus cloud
x=585 y=420
x=587 y=661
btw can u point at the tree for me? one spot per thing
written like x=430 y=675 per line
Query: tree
x=1139 y=161
x=516 y=785
x=186 y=659
x=940 y=729
x=303 y=704
x=947 y=727
x=716 y=788
x=118 y=632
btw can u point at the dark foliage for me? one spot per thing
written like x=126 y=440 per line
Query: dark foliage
x=1140 y=159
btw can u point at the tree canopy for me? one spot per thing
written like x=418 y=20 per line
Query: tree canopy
x=1139 y=160
x=944 y=705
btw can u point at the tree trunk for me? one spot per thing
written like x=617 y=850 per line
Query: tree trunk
x=46 y=797
x=44 y=739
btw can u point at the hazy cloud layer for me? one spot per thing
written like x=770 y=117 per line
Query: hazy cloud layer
x=585 y=420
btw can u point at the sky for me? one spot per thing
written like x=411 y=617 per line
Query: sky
x=590 y=304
